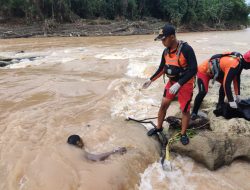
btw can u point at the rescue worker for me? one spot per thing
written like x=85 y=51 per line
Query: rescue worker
x=179 y=64
x=223 y=68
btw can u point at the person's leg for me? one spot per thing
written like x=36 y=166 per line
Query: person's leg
x=162 y=111
x=221 y=95
x=185 y=122
x=202 y=83
x=166 y=100
x=184 y=98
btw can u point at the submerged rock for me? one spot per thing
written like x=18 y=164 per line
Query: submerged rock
x=8 y=61
x=4 y=63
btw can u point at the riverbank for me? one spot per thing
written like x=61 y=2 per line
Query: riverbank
x=99 y=27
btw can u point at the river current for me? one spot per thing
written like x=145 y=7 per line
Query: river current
x=88 y=86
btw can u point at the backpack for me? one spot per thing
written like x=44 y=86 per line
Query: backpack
x=214 y=63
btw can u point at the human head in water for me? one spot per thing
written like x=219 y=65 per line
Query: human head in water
x=167 y=36
x=75 y=140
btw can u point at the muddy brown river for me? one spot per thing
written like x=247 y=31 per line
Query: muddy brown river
x=88 y=86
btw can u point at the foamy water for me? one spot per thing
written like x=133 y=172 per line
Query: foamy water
x=51 y=56
x=88 y=86
x=186 y=174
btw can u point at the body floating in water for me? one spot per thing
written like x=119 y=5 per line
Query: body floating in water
x=76 y=140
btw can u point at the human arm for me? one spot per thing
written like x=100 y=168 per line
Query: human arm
x=190 y=57
x=103 y=156
x=236 y=83
x=157 y=74
x=230 y=74
x=160 y=69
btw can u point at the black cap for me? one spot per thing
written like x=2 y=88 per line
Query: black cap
x=165 y=31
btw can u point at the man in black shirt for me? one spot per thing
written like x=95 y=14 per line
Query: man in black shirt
x=179 y=64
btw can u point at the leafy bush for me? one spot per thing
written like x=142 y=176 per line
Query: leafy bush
x=177 y=12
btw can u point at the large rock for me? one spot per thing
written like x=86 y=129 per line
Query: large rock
x=215 y=149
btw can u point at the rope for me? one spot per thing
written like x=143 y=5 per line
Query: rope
x=176 y=137
x=143 y=120
x=166 y=155
x=170 y=141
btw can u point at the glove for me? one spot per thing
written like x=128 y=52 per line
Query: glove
x=146 y=84
x=233 y=105
x=238 y=99
x=174 y=88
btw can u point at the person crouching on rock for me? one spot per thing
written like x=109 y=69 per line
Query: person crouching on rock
x=77 y=141
x=179 y=63
x=224 y=68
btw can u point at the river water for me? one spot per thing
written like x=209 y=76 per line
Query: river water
x=88 y=86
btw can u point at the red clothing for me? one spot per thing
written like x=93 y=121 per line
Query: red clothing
x=185 y=94
x=226 y=63
x=205 y=79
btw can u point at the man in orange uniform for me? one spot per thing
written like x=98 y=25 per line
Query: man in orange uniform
x=223 y=68
x=179 y=64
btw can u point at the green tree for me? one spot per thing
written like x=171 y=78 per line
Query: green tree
x=189 y=12
x=174 y=11
x=131 y=9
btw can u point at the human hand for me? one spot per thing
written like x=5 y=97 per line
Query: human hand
x=174 y=88
x=238 y=99
x=233 y=105
x=146 y=84
x=120 y=150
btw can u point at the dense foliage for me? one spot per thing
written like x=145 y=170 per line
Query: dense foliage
x=191 y=12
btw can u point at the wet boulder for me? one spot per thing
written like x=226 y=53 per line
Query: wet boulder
x=215 y=150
